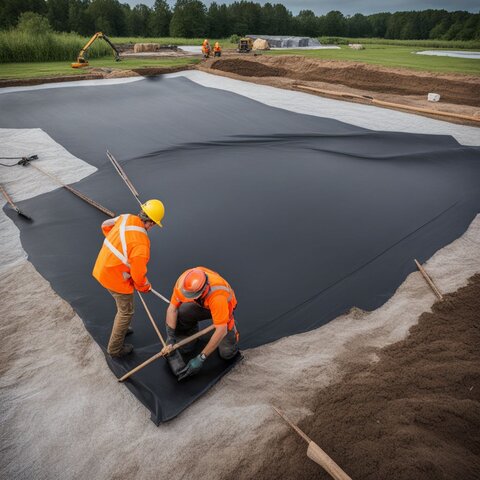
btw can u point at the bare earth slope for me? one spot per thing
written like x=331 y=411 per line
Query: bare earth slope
x=413 y=414
x=454 y=88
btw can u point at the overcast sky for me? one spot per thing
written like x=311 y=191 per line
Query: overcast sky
x=349 y=7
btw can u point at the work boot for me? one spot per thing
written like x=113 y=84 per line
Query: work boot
x=129 y=331
x=126 y=349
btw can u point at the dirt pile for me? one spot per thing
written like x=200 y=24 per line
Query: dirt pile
x=248 y=68
x=453 y=88
x=413 y=414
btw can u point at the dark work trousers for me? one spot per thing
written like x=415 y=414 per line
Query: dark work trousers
x=189 y=314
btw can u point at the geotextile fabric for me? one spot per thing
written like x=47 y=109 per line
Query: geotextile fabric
x=305 y=217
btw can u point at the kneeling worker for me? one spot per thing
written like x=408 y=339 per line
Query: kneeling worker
x=201 y=294
x=121 y=266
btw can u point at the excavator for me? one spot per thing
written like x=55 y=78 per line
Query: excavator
x=82 y=60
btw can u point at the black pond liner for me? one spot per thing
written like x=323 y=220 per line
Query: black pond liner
x=306 y=217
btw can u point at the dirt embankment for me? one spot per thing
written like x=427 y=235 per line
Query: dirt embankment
x=453 y=88
x=413 y=414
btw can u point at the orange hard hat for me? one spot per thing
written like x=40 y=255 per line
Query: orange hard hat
x=194 y=283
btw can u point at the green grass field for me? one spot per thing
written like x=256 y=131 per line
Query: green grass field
x=61 y=49
x=392 y=56
x=51 y=69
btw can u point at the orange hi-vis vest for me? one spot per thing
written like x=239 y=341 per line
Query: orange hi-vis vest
x=220 y=299
x=121 y=264
x=217 y=47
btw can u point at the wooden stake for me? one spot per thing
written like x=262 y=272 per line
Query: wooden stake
x=315 y=453
x=159 y=354
x=436 y=291
x=151 y=319
x=106 y=211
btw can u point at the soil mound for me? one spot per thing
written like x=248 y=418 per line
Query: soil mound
x=248 y=68
x=453 y=88
x=413 y=414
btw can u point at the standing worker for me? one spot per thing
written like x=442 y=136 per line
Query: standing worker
x=206 y=49
x=121 y=266
x=200 y=294
x=217 y=50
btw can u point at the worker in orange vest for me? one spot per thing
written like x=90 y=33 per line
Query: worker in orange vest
x=121 y=266
x=206 y=49
x=201 y=294
x=217 y=50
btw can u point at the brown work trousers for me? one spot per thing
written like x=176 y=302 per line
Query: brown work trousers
x=125 y=311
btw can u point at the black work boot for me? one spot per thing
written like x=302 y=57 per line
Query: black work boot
x=126 y=349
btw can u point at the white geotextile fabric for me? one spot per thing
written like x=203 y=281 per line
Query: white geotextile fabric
x=77 y=83
x=450 y=53
x=26 y=182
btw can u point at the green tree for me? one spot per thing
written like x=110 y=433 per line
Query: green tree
x=159 y=23
x=307 y=24
x=137 y=20
x=218 y=21
x=79 y=20
x=334 y=24
x=108 y=17
x=378 y=23
x=57 y=14
x=10 y=10
x=359 y=26
x=34 y=24
x=189 y=19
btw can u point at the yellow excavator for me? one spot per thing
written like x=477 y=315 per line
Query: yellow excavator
x=82 y=56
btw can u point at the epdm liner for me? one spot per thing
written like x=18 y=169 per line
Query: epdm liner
x=304 y=216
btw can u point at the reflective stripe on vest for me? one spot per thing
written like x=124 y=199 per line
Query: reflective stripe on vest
x=123 y=228
x=220 y=287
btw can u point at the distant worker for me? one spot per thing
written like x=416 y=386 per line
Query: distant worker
x=217 y=50
x=121 y=266
x=206 y=49
x=201 y=294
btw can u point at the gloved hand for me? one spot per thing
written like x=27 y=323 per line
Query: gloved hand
x=170 y=341
x=192 y=368
x=170 y=335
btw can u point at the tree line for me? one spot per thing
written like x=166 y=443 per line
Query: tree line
x=191 y=18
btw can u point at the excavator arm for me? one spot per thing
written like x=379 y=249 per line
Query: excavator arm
x=82 y=60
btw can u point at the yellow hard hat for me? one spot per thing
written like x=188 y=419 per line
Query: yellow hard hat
x=155 y=211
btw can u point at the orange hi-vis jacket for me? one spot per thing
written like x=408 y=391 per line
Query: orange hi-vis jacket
x=220 y=299
x=217 y=47
x=121 y=264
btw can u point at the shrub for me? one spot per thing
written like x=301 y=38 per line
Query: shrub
x=33 y=24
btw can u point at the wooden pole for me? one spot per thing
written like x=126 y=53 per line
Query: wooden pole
x=106 y=211
x=123 y=176
x=315 y=453
x=159 y=354
x=428 y=111
x=152 y=320
x=426 y=276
